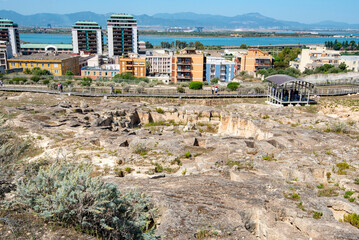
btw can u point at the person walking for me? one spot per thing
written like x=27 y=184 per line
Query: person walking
x=216 y=90
x=59 y=87
x=112 y=90
x=1 y=83
x=212 y=89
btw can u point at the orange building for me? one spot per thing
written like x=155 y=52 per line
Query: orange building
x=254 y=60
x=135 y=66
x=188 y=66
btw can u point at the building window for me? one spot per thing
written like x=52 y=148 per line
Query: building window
x=25 y=64
x=32 y=65
x=106 y=73
x=48 y=65
x=56 y=65
x=12 y=64
x=43 y=65
x=56 y=71
x=100 y=73
x=94 y=73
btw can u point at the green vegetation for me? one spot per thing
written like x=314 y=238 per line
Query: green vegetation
x=320 y=186
x=328 y=192
x=141 y=149
x=158 y=168
x=233 y=86
x=327 y=68
x=128 y=170
x=300 y=205
x=86 y=82
x=66 y=193
x=155 y=124
x=293 y=196
x=160 y=110
x=317 y=215
x=184 y=172
x=269 y=157
x=352 y=218
x=342 y=167
x=195 y=85
x=287 y=71
x=187 y=155
x=345 y=45
x=214 y=80
x=282 y=59
x=181 y=90
x=348 y=194
x=35 y=79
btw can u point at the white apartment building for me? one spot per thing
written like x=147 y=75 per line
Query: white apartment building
x=5 y=53
x=352 y=62
x=314 y=57
x=160 y=64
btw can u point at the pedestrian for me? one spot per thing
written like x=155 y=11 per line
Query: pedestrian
x=216 y=90
x=1 y=83
x=212 y=89
x=59 y=87
x=112 y=91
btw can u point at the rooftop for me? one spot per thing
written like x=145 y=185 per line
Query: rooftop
x=280 y=79
x=44 y=56
x=44 y=45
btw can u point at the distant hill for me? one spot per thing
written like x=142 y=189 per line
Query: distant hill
x=165 y=20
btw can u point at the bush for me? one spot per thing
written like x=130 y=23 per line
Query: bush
x=180 y=90
x=35 y=79
x=19 y=79
x=215 y=80
x=67 y=193
x=195 y=85
x=233 y=86
x=352 y=218
x=86 y=82
x=37 y=71
x=188 y=155
x=160 y=110
x=46 y=81
x=317 y=215
x=69 y=73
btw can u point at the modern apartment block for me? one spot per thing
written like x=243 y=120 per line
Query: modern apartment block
x=218 y=67
x=122 y=35
x=87 y=37
x=5 y=54
x=253 y=61
x=9 y=33
x=103 y=72
x=159 y=64
x=352 y=62
x=188 y=66
x=135 y=66
x=314 y=57
x=56 y=64
x=30 y=48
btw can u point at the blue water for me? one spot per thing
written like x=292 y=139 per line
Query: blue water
x=227 y=41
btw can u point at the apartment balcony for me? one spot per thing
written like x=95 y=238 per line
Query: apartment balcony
x=184 y=63
x=183 y=70
x=184 y=77
x=264 y=64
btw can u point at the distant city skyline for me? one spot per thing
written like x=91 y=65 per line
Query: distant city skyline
x=305 y=11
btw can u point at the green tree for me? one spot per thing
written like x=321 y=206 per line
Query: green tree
x=215 y=80
x=343 y=66
x=27 y=71
x=69 y=73
x=199 y=46
x=148 y=45
x=243 y=46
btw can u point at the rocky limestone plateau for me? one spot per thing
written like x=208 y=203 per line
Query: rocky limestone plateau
x=216 y=169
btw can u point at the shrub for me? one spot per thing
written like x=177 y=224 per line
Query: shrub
x=195 y=85
x=66 y=193
x=269 y=157
x=86 y=82
x=317 y=215
x=27 y=71
x=181 y=90
x=128 y=170
x=352 y=218
x=215 y=80
x=233 y=86
x=158 y=168
x=35 y=79
x=140 y=89
x=160 y=110
x=19 y=79
x=46 y=81
x=348 y=194
x=69 y=73
x=187 y=155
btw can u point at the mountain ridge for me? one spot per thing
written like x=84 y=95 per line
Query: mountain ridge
x=252 y=20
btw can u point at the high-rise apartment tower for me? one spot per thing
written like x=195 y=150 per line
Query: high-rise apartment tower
x=9 y=33
x=87 y=37
x=122 y=35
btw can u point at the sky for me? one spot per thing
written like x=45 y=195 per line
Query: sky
x=305 y=11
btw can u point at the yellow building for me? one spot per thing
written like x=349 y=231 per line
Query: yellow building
x=56 y=64
x=188 y=66
x=253 y=61
x=135 y=66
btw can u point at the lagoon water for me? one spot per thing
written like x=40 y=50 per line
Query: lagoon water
x=223 y=41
